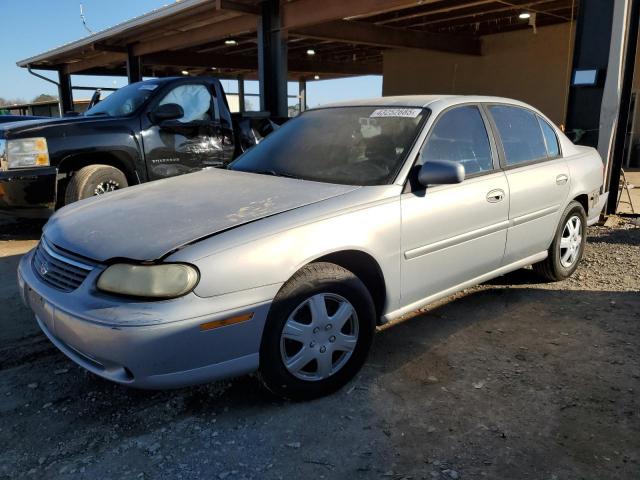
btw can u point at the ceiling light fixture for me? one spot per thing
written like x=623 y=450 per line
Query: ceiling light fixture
x=524 y=15
x=185 y=72
x=311 y=51
x=231 y=42
x=316 y=77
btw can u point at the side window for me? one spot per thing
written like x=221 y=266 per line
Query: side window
x=460 y=135
x=195 y=100
x=550 y=138
x=520 y=133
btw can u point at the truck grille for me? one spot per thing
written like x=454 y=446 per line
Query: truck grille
x=57 y=270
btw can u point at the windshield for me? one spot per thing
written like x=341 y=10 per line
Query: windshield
x=345 y=145
x=123 y=101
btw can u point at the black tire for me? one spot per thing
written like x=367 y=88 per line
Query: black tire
x=314 y=279
x=552 y=267
x=87 y=181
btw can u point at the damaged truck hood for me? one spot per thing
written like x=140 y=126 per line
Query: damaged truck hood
x=148 y=221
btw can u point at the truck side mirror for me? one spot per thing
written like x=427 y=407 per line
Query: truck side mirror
x=440 y=172
x=168 y=111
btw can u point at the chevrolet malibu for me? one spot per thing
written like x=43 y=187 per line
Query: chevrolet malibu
x=348 y=217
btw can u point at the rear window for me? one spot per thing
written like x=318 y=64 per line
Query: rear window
x=520 y=134
x=553 y=149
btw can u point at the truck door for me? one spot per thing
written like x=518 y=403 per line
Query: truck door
x=186 y=144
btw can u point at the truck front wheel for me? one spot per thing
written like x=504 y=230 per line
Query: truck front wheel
x=94 y=180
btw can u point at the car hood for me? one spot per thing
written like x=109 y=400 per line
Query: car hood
x=146 y=222
x=41 y=126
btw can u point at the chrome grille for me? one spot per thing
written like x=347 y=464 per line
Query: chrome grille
x=57 y=270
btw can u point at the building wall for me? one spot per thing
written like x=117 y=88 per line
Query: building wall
x=522 y=65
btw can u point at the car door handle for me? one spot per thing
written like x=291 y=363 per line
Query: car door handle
x=495 y=196
x=562 y=179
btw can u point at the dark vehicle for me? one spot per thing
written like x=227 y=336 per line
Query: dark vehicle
x=145 y=131
x=18 y=118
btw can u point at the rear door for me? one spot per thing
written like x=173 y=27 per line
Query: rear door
x=454 y=233
x=538 y=178
x=186 y=144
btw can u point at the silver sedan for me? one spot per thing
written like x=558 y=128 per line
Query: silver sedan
x=348 y=217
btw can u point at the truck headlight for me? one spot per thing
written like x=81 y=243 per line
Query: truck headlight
x=27 y=152
x=167 y=280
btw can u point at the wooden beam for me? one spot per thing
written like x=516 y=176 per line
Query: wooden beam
x=417 y=14
x=102 y=47
x=478 y=15
x=188 y=59
x=233 y=6
x=301 y=13
x=101 y=60
x=196 y=36
x=334 y=68
x=208 y=60
x=381 y=36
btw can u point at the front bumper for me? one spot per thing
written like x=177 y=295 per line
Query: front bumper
x=145 y=344
x=28 y=192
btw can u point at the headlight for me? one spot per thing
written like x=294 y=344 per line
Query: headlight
x=27 y=152
x=167 y=280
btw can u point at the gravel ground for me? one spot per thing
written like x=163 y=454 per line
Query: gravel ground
x=514 y=379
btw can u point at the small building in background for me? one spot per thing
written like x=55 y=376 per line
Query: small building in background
x=49 y=108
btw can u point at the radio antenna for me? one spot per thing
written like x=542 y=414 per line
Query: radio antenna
x=84 y=20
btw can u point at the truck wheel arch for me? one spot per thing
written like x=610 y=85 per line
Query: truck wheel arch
x=73 y=163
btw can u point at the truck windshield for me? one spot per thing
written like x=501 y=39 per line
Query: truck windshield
x=345 y=145
x=123 y=101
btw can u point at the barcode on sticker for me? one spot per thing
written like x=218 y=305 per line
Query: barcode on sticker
x=396 y=112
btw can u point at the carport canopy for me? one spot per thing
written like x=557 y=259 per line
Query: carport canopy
x=275 y=41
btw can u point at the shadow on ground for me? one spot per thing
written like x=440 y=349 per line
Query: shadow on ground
x=501 y=383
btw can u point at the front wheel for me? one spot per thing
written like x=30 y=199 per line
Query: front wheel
x=567 y=246
x=94 y=180
x=318 y=332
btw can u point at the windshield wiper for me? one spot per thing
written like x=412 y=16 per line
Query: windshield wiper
x=274 y=173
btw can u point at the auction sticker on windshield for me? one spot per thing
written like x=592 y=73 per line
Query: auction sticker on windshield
x=396 y=112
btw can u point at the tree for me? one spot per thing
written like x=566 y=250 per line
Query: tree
x=11 y=101
x=45 y=97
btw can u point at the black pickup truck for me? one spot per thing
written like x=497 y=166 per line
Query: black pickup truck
x=145 y=131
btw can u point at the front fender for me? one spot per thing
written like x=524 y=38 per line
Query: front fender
x=121 y=146
x=273 y=259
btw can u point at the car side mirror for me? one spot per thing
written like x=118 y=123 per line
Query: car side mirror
x=168 y=111
x=440 y=172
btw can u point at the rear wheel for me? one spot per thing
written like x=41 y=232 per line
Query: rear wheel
x=318 y=333
x=567 y=247
x=94 y=180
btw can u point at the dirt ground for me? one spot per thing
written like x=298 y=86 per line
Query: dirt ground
x=515 y=379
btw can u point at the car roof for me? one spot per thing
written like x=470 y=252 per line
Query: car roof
x=443 y=101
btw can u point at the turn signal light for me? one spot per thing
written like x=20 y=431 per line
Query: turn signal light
x=226 y=321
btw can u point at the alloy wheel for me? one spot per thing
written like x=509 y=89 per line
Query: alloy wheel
x=106 y=186
x=571 y=241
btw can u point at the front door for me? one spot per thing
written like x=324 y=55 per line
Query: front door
x=186 y=144
x=454 y=233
